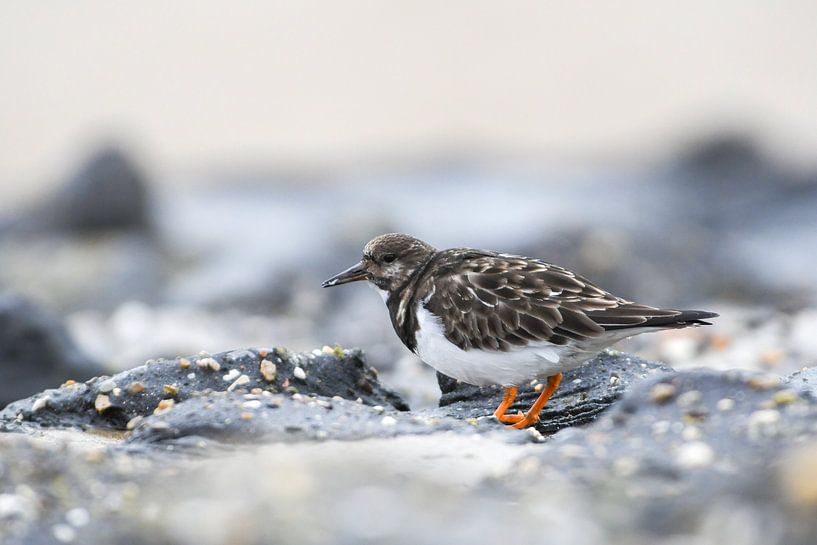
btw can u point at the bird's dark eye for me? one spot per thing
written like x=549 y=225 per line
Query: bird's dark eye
x=389 y=258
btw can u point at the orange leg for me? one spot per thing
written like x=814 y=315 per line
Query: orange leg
x=532 y=416
x=507 y=398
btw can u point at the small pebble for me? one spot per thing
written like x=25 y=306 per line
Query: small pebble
x=246 y=416
x=252 y=404
x=378 y=408
x=299 y=373
x=135 y=388
x=763 y=382
x=691 y=433
x=538 y=388
x=117 y=392
x=615 y=380
x=40 y=403
x=662 y=392
x=764 y=417
x=240 y=381
x=388 y=421
x=689 y=398
x=191 y=375
x=133 y=422
x=106 y=386
x=164 y=405
x=231 y=375
x=268 y=370
x=63 y=533
x=102 y=403
x=785 y=397
x=170 y=389
x=534 y=434
x=725 y=404
x=661 y=427
x=77 y=517
x=184 y=363
x=208 y=363
x=328 y=350
x=695 y=454
x=68 y=382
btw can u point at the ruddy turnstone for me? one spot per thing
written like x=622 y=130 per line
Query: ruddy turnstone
x=484 y=317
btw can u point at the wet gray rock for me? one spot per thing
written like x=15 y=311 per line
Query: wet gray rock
x=35 y=350
x=242 y=418
x=681 y=445
x=109 y=192
x=111 y=402
x=582 y=396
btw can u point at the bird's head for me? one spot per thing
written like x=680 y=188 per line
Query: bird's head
x=388 y=262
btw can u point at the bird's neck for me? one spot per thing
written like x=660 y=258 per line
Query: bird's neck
x=401 y=303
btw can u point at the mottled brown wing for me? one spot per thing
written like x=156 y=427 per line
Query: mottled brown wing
x=499 y=302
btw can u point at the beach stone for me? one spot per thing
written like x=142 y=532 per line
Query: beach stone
x=582 y=396
x=35 y=350
x=677 y=460
x=108 y=192
x=232 y=417
x=141 y=390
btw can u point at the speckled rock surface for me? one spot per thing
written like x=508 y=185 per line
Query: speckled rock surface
x=697 y=456
x=680 y=446
x=582 y=396
x=228 y=416
x=111 y=402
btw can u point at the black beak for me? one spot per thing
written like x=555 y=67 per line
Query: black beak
x=352 y=274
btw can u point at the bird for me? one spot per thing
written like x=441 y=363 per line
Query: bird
x=484 y=317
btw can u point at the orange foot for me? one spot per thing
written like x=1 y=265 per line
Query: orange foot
x=531 y=417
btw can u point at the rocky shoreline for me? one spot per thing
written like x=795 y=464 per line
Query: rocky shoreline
x=253 y=441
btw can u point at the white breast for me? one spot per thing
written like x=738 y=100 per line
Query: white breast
x=482 y=367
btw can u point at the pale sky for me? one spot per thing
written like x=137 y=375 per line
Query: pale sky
x=200 y=83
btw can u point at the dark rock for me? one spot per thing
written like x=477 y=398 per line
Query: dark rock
x=679 y=444
x=35 y=350
x=583 y=394
x=109 y=192
x=228 y=416
x=113 y=401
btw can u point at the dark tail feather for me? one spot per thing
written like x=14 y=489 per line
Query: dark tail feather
x=684 y=318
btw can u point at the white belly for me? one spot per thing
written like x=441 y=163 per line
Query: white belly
x=480 y=367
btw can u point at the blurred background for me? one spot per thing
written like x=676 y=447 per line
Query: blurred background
x=180 y=177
